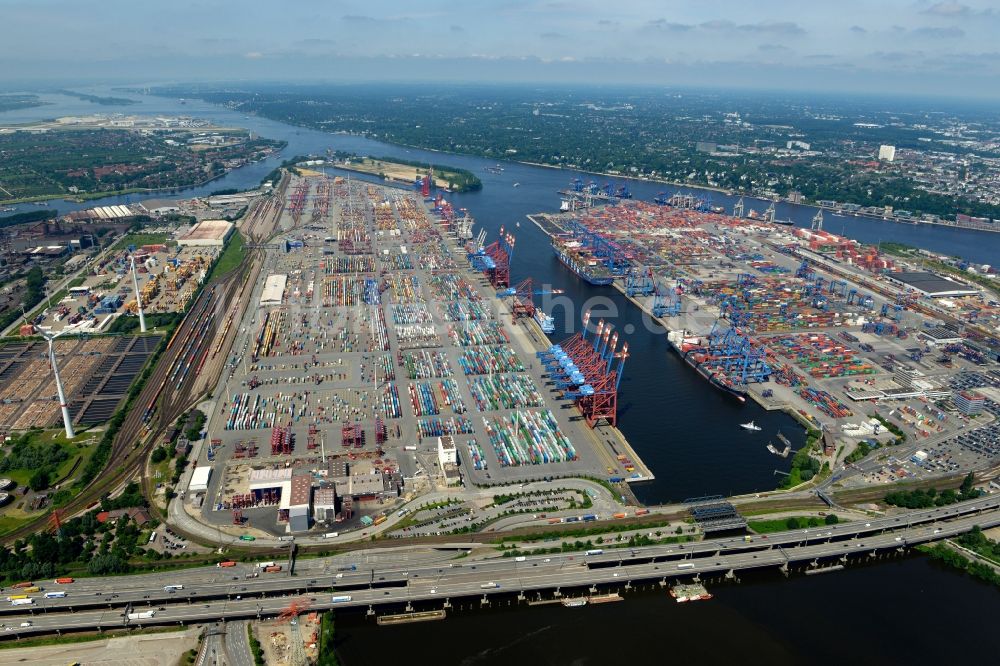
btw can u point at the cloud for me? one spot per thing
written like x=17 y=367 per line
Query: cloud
x=552 y=35
x=456 y=28
x=939 y=33
x=664 y=24
x=949 y=10
x=608 y=22
x=718 y=24
x=764 y=27
x=253 y=55
x=773 y=48
x=775 y=27
x=858 y=29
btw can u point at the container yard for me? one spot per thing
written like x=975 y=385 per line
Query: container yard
x=379 y=361
x=96 y=375
x=799 y=320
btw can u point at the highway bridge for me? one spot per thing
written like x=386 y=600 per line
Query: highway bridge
x=210 y=595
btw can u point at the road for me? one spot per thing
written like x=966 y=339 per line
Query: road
x=237 y=646
x=369 y=584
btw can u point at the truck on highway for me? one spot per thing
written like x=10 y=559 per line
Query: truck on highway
x=226 y=564
x=22 y=602
x=272 y=569
x=342 y=599
x=489 y=586
x=55 y=595
x=247 y=537
x=589 y=517
x=172 y=588
x=286 y=538
x=63 y=581
x=20 y=585
x=594 y=551
x=409 y=447
x=264 y=565
x=32 y=589
x=686 y=565
x=331 y=535
x=349 y=567
x=144 y=615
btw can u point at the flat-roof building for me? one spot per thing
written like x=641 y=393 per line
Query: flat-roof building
x=447 y=451
x=930 y=284
x=274 y=290
x=199 y=479
x=969 y=403
x=207 y=233
x=325 y=504
x=299 y=502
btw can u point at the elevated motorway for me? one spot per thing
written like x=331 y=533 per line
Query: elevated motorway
x=214 y=595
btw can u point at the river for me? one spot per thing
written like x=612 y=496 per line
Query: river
x=905 y=611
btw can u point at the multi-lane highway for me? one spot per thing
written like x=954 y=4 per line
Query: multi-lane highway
x=214 y=595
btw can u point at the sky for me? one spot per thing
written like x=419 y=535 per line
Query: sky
x=893 y=46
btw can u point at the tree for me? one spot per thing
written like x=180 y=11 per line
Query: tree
x=159 y=455
x=832 y=519
x=39 y=480
x=966 y=486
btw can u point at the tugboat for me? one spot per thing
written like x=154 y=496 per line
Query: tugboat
x=750 y=426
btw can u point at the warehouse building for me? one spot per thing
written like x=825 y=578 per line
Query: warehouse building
x=199 y=479
x=930 y=285
x=207 y=233
x=274 y=290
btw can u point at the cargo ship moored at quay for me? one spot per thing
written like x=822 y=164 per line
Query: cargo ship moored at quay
x=584 y=265
x=694 y=354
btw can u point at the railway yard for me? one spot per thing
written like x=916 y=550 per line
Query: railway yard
x=373 y=363
x=816 y=325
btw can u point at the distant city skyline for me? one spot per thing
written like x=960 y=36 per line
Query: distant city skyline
x=893 y=46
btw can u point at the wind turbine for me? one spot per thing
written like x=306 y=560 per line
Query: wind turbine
x=67 y=422
x=138 y=296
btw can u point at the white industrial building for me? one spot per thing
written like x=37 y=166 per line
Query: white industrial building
x=274 y=290
x=447 y=452
x=207 y=233
x=199 y=479
x=269 y=479
x=325 y=505
x=887 y=153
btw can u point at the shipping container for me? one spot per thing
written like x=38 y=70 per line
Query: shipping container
x=64 y=581
x=228 y=563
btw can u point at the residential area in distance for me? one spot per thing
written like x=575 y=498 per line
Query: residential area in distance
x=898 y=161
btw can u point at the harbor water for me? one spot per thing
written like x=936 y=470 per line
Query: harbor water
x=904 y=611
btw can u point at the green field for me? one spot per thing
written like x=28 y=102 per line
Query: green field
x=230 y=258
x=139 y=239
x=793 y=523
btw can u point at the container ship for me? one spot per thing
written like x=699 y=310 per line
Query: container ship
x=581 y=262
x=698 y=357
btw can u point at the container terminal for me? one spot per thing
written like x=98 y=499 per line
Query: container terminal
x=385 y=354
x=841 y=337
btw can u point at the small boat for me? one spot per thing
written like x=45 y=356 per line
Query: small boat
x=574 y=602
x=750 y=426
x=517 y=184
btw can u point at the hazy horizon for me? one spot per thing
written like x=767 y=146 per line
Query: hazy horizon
x=896 y=47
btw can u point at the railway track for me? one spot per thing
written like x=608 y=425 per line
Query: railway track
x=170 y=389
